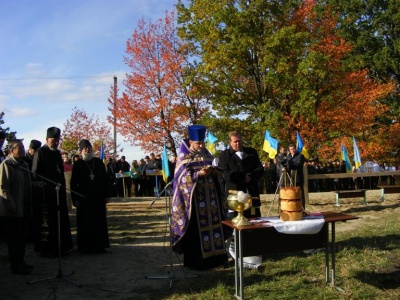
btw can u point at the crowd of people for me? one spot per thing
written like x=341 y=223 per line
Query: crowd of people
x=33 y=199
x=39 y=186
x=142 y=178
x=272 y=173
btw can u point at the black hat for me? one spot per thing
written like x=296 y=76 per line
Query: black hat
x=53 y=132
x=35 y=144
x=83 y=144
x=2 y=135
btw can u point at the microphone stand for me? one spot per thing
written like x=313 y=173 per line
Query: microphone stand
x=171 y=276
x=60 y=274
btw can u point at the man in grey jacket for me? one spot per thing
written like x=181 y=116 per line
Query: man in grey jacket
x=15 y=204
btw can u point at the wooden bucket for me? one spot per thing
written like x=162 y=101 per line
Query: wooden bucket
x=291 y=205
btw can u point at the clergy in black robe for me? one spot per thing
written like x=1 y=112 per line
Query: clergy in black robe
x=89 y=183
x=48 y=166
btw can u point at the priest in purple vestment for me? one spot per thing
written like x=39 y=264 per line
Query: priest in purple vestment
x=197 y=205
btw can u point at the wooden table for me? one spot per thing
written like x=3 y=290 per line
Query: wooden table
x=262 y=238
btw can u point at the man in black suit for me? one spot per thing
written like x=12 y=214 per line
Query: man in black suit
x=295 y=162
x=242 y=169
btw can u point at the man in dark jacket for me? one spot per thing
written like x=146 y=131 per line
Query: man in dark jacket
x=242 y=169
x=295 y=162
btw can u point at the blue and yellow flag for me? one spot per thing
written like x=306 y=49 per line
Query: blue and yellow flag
x=357 y=159
x=300 y=146
x=270 y=145
x=165 y=165
x=103 y=156
x=346 y=159
x=210 y=142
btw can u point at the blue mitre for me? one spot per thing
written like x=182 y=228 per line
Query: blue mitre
x=197 y=132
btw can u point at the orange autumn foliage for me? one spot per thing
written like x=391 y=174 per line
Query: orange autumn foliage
x=157 y=105
x=347 y=103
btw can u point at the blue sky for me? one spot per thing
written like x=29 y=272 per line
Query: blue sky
x=56 y=55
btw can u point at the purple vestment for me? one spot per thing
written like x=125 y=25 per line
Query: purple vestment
x=193 y=194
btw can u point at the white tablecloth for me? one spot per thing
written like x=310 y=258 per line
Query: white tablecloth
x=310 y=224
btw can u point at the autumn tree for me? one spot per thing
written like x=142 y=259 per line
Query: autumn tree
x=373 y=27
x=79 y=126
x=159 y=101
x=280 y=65
x=10 y=135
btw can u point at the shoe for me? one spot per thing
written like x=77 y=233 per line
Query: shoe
x=21 y=271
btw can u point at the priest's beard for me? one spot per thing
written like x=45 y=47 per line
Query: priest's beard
x=88 y=156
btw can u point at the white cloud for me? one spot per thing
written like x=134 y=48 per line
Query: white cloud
x=20 y=112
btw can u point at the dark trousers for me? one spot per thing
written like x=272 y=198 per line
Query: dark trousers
x=15 y=230
x=136 y=186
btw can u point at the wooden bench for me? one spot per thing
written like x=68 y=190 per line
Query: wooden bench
x=350 y=194
x=388 y=189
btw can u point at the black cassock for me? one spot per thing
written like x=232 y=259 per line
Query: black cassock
x=48 y=166
x=89 y=180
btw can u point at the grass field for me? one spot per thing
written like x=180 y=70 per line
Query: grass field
x=367 y=261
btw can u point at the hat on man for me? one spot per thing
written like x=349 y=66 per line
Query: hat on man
x=147 y=157
x=197 y=132
x=83 y=144
x=53 y=132
x=35 y=144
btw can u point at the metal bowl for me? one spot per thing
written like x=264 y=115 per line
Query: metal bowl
x=239 y=207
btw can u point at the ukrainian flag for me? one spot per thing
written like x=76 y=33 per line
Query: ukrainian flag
x=270 y=145
x=210 y=142
x=346 y=159
x=165 y=165
x=102 y=155
x=300 y=147
x=357 y=159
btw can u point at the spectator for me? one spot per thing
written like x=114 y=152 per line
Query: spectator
x=153 y=165
x=242 y=169
x=281 y=164
x=124 y=183
x=33 y=146
x=295 y=162
x=135 y=175
x=15 y=205
x=112 y=181
x=2 y=139
x=143 y=179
